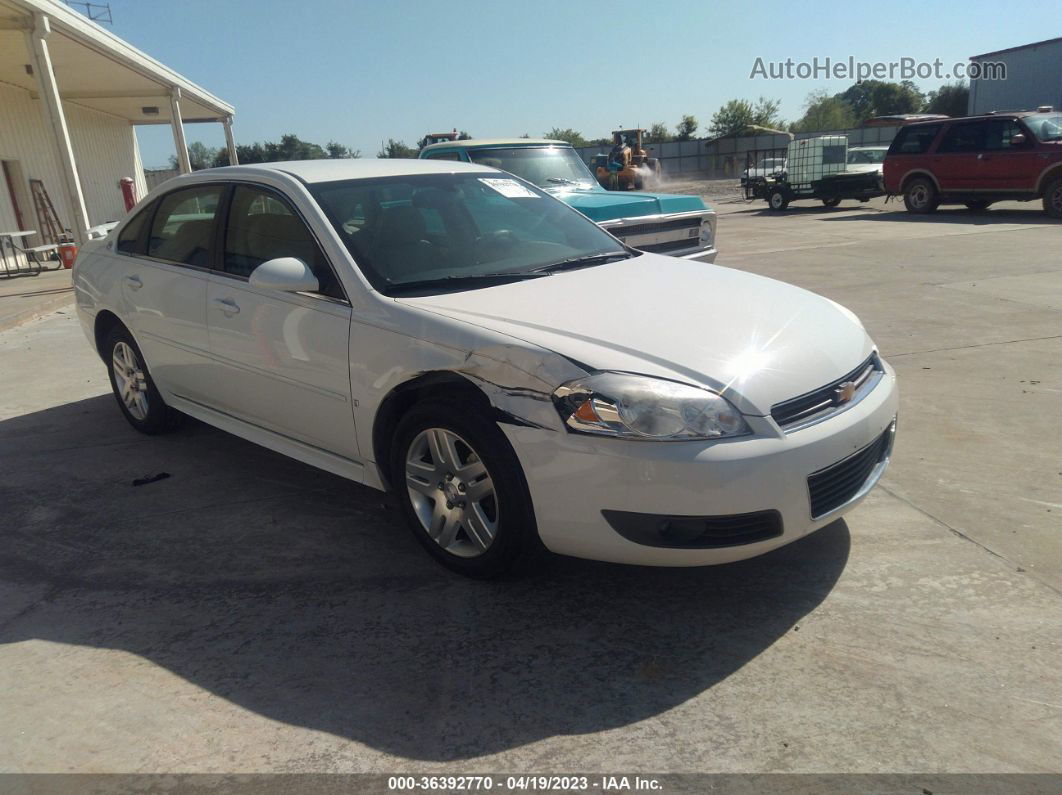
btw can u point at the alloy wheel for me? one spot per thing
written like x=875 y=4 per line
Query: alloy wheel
x=451 y=492
x=130 y=380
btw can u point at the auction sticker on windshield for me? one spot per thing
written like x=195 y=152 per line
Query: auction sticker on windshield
x=510 y=188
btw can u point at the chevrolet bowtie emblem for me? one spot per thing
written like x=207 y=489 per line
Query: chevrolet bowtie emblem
x=844 y=393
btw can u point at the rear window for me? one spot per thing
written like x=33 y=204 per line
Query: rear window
x=914 y=140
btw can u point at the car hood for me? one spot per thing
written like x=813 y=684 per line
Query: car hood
x=603 y=205
x=757 y=340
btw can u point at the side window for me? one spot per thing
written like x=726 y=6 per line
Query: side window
x=999 y=133
x=914 y=140
x=129 y=241
x=451 y=155
x=262 y=226
x=183 y=228
x=963 y=138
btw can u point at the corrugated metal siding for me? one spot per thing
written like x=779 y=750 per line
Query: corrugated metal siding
x=1034 y=78
x=104 y=147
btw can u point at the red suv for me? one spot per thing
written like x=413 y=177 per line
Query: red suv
x=978 y=160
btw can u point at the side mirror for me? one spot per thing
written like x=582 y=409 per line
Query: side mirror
x=286 y=274
x=1017 y=139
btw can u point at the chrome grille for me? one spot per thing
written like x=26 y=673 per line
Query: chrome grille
x=825 y=401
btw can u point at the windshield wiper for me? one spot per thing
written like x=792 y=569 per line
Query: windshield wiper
x=470 y=280
x=562 y=181
x=583 y=262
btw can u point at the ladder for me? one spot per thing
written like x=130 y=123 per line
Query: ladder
x=51 y=230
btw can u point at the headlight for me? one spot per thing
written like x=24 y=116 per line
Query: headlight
x=706 y=231
x=639 y=407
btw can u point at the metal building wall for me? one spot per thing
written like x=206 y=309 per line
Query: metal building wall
x=104 y=146
x=1034 y=78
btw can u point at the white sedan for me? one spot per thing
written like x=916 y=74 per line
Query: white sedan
x=517 y=376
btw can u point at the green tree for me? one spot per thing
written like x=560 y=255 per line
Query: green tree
x=823 y=112
x=567 y=134
x=657 y=133
x=871 y=98
x=738 y=115
x=289 y=147
x=395 y=148
x=337 y=151
x=685 y=129
x=951 y=99
x=200 y=156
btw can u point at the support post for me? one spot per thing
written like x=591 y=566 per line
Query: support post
x=177 y=123
x=230 y=144
x=53 y=110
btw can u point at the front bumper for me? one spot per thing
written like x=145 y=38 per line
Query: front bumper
x=573 y=478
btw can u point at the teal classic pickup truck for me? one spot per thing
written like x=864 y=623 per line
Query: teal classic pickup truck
x=678 y=226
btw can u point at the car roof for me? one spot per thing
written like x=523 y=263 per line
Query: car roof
x=330 y=170
x=473 y=143
x=1004 y=114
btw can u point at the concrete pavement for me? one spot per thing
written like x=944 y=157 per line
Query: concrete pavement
x=249 y=613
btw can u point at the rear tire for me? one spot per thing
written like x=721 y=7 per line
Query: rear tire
x=920 y=196
x=463 y=491
x=777 y=199
x=133 y=387
x=830 y=202
x=977 y=206
x=1053 y=198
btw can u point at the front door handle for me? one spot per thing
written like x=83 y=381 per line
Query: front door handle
x=227 y=305
x=134 y=282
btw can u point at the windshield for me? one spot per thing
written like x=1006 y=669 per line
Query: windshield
x=1045 y=126
x=546 y=166
x=409 y=230
x=867 y=155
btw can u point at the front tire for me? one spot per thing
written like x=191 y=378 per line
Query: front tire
x=979 y=205
x=920 y=196
x=1053 y=198
x=462 y=491
x=135 y=391
x=830 y=202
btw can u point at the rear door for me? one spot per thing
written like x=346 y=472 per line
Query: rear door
x=165 y=252
x=280 y=359
x=957 y=161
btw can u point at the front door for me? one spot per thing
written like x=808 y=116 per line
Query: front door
x=280 y=359
x=1007 y=166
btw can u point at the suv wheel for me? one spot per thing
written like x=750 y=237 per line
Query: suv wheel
x=462 y=490
x=920 y=196
x=1053 y=198
x=134 y=390
x=831 y=202
x=978 y=205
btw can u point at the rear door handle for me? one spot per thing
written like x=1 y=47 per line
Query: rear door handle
x=134 y=282
x=227 y=305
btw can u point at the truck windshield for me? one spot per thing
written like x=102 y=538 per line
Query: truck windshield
x=1045 y=126
x=550 y=167
x=439 y=232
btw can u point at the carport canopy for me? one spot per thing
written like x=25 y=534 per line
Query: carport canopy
x=60 y=56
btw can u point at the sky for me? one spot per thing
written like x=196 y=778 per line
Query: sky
x=360 y=72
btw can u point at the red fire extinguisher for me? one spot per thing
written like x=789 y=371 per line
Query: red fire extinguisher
x=128 y=192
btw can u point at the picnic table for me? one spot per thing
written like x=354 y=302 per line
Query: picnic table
x=34 y=254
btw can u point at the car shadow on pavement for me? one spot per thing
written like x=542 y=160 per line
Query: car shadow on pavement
x=300 y=596
x=947 y=215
